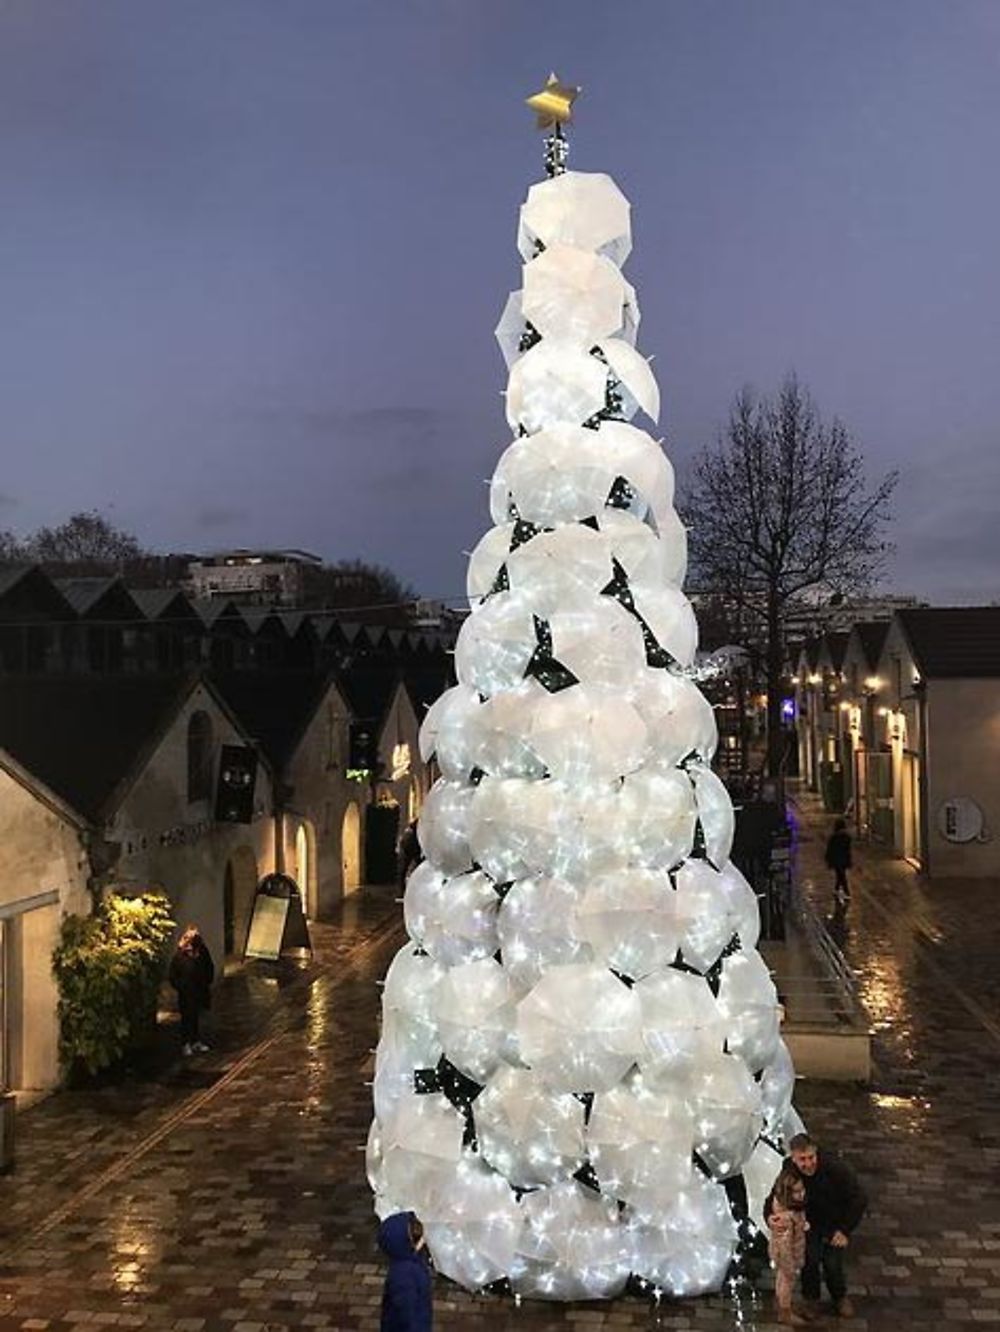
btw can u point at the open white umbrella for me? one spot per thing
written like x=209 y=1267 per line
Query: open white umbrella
x=421 y=1144
x=686 y=1250
x=555 y=382
x=486 y=561
x=759 y=1175
x=568 y=566
x=601 y=644
x=535 y=926
x=473 y=1008
x=638 y=458
x=629 y=918
x=707 y=924
x=443 y=827
x=581 y=208
x=670 y=619
x=682 y=1028
x=748 y=1002
x=495 y=644
x=639 y=390
x=657 y=817
x=558 y=475
x=636 y=547
x=510 y=329
x=454 y=918
x=409 y=986
x=679 y=718
x=571 y=1247
x=715 y=810
x=573 y=295
x=473 y=1225
x=528 y=1132
x=447 y=731
x=500 y=742
x=728 y=1114
x=587 y=733
x=639 y=1142
x=579 y=1028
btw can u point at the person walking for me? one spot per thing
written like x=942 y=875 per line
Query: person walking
x=191 y=974
x=407 y=1300
x=410 y=853
x=835 y=1204
x=838 y=858
x=788 y=1228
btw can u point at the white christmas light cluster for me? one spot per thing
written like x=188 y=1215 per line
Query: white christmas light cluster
x=579 y=1042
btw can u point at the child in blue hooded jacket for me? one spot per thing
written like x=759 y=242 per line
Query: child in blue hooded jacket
x=407 y=1304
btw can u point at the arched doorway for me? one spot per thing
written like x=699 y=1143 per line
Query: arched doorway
x=238 y=891
x=305 y=867
x=350 y=848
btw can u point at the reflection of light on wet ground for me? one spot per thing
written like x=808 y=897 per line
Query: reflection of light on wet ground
x=908 y=1114
x=136 y=1246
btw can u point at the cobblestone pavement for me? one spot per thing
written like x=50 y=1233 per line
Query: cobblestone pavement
x=228 y=1195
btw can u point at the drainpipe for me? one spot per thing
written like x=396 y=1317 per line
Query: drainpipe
x=920 y=690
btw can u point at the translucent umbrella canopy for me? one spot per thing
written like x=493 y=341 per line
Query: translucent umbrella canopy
x=741 y=903
x=638 y=387
x=421 y=1144
x=748 y=1002
x=776 y=1086
x=455 y=919
x=555 y=382
x=443 y=826
x=514 y=828
x=405 y=1046
x=728 y=1114
x=495 y=645
x=409 y=985
x=571 y=1245
x=573 y=295
x=601 y=644
x=670 y=619
x=682 y=1027
x=578 y=1029
x=473 y=1008
x=510 y=329
x=447 y=732
x=532 y=1135
x=707 y=924
x=636 y=547
x=715 y=810
x=502 y=745
x=487 y=560
x=678 y=717
x=473 y=1225
x=568 y=566
x=673 y=535
x=759 y=1175
x=580 y=208
x=588 y=732
x=535 y=926
x=629 y=918
x=656 y=818
x=687 y=1249
x=640 y=1142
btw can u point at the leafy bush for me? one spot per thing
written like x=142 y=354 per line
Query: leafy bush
x=108 y=968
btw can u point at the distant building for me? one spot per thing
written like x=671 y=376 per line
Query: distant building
x=253 y=577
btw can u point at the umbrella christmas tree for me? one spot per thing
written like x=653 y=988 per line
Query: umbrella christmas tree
x=580 y=1046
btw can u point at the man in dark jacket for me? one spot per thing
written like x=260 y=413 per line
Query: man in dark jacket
x=838 y=858
x=835 y=1203
x=407 y=1304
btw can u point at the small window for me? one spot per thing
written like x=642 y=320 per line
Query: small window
x=199 y=756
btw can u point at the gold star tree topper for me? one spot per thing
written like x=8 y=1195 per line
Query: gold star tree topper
x=554 y=103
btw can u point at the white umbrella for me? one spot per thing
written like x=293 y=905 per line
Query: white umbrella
x=573 y=295
x=637 y=457
x=587 y=733
x=715 y=810
x=475 y=1018
x=629 y=918
x=512 y=827
x=473 y=1225
x=556 y=475
x=535 y=926
x=500 y=744
x=639 y=389
x=759 y=1175
x=531 y=1134
x=421 y=1144
x=406 y=1045
x=679 y=718
x=670 y=619
x=687 y=1249
x=657 y=817
x=776 y=1086
x=682 y=1028
x=555 y=383
x=510 y=330
x=486 y=561
x=741 y=903
x=748 y=1002
x=601 y=644
x=570 y=565
x=447 y=731
x=586 y=209
x=707 y=925
x=495 y=644
x=728 y=1115
x=455 y=918
x=410 y=983
x=571 y=1247
x=579 y=1028
x=639 y=1143
x=636 y=547
x=443 y=827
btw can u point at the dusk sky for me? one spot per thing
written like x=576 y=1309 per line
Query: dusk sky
x=252 y=254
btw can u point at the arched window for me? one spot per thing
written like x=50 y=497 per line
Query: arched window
x=199 y=756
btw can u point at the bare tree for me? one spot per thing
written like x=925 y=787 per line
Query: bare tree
x=780 y=506
x=11 y=549
x=370 y=592
x=86 y=543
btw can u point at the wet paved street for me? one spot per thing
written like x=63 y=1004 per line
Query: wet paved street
x=228 y=1195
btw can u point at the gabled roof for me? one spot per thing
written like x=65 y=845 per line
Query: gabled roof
x=872 y=637
x=84 y=737
x=99 y=598
x=27 y=593
x=836 y=646
x=274 y=708
x=953 y=642
x=164 y=603
x=369 y=686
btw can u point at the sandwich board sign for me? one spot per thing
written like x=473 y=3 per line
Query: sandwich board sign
x=278 y=921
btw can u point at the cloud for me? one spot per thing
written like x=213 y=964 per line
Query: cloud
x=220 y=517
x=8 y=501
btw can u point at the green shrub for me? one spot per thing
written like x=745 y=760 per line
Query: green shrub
x=108 y=968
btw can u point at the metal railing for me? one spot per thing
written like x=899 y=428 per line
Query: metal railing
x=837 y=980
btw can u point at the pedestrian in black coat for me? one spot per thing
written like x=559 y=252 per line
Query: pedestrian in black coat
x=835 y=1204
x=191 y=974
x=838 y=858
